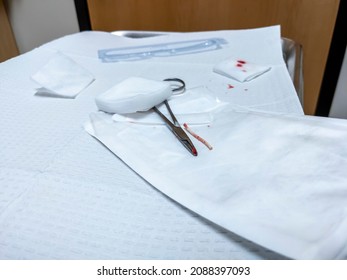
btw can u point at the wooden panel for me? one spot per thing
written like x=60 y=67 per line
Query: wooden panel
x=308 y=22
x=8 y=47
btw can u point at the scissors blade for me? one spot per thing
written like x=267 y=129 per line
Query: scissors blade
x=178 y=132
x=184 y=139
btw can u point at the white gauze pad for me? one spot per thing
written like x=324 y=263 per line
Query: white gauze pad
x=132 y=95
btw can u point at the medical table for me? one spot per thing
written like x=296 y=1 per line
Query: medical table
x=64 y=195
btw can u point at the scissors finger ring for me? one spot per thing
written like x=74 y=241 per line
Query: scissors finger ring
x=178 y=86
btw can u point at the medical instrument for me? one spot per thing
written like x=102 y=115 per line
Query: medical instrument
x=160 y=50
x=174 y=126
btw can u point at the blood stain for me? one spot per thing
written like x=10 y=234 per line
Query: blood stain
x=230 y=86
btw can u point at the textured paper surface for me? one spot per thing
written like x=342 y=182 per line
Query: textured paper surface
x=273 y=179
x=65 y=196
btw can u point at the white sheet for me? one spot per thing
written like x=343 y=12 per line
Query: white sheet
x=278 y=180
x=64 y=196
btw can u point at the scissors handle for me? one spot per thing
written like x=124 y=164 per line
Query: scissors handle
x=175 y=121
x=171 y=125
x=176 y=87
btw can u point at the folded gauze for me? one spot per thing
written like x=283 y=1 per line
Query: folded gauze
x=240 y=70
x=132 y=95
x=62 y=77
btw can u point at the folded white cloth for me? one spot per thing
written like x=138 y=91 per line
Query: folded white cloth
x=132 y=95
x=62 y=77
x=240 y=70
x=194 y=107
x=151 y=118
x=277 y=180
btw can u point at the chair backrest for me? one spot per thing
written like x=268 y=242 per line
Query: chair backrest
x=309 y=22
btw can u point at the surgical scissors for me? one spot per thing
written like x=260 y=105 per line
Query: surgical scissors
x=175 y=126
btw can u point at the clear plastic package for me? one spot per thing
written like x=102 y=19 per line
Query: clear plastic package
x=160 y=50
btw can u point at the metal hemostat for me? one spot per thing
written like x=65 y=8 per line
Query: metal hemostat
x=174 y=126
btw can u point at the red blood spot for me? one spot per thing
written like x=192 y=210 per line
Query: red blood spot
x=230 y=86
x=241 y=61
x=194 y=151
x=239 y=65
